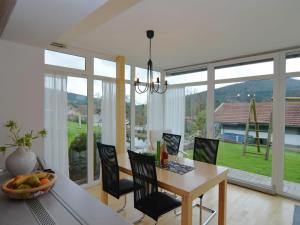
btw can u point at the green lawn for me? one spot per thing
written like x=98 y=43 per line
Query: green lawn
x=74 y=129
x=230 y=155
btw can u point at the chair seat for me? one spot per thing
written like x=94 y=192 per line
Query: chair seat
x=157 y=204
x=125 y=186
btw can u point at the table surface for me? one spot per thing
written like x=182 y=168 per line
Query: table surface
x=199 y=180
x=67 y=204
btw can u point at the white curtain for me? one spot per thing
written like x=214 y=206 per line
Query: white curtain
x=56 y=116
x=155 y=111
x=155 y=122
x=108 y=107
x=175 y=111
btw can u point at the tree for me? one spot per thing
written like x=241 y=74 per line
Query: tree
x=199 y=124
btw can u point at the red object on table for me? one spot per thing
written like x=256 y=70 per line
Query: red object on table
x=164 y=156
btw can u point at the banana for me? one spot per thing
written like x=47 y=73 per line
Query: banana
x=41 y=175
x=21 y=180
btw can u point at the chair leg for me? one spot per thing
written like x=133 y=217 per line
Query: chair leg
x=202 y=207
x=139 y=219
x=200 y=213
x=123 y=207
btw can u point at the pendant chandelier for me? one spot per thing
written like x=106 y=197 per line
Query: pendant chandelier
x=150 y=85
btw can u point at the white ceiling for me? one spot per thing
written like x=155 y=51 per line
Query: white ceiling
x=40 y=22
x=193 y=31
x=186 y=31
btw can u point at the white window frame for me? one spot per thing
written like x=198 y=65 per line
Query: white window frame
x=279 y=78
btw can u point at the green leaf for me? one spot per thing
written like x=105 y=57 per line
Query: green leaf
x=2 y=149
x=11 y=124
x=43 y=133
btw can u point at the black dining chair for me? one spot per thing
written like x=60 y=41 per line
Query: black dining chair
x=205 y=150
x=172 y=143
x=110 y=173
x=147 y=198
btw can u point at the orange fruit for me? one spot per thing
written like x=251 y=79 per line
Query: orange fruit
x=44 y=181
x=18 y=177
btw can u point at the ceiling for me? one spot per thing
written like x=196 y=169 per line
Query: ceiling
x=186 y=32
x=40 y=22
x=193 y=31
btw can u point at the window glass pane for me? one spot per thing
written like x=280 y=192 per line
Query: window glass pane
x=140 y=121
x=127 y=72
x=292 y=138
x=142 y=74
x=127 y=116
x=97 y=125
x=232 y=103
x=195 y=115
x=104 y=68
x=293 y=64
x=245 y=70
x=77 y=128
x=64 y=60
x=187 y=77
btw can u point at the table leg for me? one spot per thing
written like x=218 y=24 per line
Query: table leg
x=222 y=203
x=186 y=210
x=103 y=195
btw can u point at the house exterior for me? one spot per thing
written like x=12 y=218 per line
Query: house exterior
x=231 y=119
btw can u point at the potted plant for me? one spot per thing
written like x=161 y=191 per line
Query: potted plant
x=22 y=160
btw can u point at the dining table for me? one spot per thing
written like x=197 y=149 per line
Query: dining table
x=189 y=186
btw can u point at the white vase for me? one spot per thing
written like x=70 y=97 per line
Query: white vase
x=20 y=162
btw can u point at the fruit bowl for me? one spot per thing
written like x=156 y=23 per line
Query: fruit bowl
x=13 y=189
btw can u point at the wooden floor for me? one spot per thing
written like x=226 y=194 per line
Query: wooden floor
x=245 y=207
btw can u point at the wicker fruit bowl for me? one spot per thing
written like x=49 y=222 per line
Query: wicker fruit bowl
x=29 y=186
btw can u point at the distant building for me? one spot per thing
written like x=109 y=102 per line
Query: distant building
x=231 y=119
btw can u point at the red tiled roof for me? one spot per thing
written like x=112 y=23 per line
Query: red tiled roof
x=236 y=113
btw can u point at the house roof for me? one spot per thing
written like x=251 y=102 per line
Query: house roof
x=237 y=113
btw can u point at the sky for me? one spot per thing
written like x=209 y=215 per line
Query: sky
x=108 y=68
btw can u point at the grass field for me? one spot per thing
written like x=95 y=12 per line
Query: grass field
x=230 y=155
x=74 y=129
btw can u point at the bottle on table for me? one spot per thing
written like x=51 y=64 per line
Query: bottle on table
x=164 y=155
x=157 y=161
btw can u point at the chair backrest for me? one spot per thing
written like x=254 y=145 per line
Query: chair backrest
x=154 y=136
x=172 y=143
x=144 y=176
x=110 y=169
x=206 y=150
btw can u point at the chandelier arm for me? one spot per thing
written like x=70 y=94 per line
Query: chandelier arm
x=163 y=89
x=142 y=91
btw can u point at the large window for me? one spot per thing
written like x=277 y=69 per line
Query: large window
x=265 y=67
x=292 y=137
x=245 y=152
x=127 y=116
x=189 y=77
x=217 y=105
x=195 y=114
x=140 y=121
x=97 y=125
x=293 y=63
x=77 y=128
x=104 y=68
x=64 y=60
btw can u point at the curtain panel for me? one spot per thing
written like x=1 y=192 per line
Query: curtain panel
x=174 y=113
x=108 y=107
x=56 y=117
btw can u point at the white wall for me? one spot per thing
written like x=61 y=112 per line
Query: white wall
x=21 y=89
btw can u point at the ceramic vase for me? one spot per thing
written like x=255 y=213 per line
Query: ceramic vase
x=21 y=161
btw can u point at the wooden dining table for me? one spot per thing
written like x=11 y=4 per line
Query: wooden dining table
x=189 y=186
